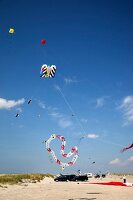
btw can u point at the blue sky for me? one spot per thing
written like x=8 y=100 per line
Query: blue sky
x=91 y=44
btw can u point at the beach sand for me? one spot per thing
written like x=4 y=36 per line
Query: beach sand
x=47 y=189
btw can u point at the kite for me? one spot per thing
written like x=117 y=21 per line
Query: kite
x=74 y=150
x=79 y=172
x=93 y=162
x=48 y=71
x=111 y=183
x=126 y=148
x=11 y=30
x=29 y=101
x=17 y=115
x=43 y=41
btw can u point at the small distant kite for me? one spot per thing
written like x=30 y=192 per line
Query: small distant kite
x=11 y=30
x=29 y=101
x=17 y=115
x=126 y=148
x=43 y=41
x=74 y=150
x=79 y=172
x=47 y=71
x=93 y=162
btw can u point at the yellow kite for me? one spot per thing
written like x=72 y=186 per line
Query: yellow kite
x=11 y=30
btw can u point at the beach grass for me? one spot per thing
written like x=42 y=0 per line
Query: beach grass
x=22 y=178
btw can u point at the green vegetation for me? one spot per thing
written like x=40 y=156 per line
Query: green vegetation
x=22 y=178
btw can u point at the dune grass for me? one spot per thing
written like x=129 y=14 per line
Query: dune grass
x=22 y=178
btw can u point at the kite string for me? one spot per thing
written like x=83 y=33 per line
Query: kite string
x=110 y=142
x=77 y=119
x=70 y=108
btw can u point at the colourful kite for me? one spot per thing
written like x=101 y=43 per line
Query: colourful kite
x=74 y=150
x=126 y=148
x=11 y=30
x=48 y=71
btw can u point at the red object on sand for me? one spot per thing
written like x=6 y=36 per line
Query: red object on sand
x=108 y=183
x=43 y=41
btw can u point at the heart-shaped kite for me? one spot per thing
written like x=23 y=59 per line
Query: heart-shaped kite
x=74 y=150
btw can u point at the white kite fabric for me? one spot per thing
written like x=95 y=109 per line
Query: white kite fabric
x=74 y=150
x=47 y=71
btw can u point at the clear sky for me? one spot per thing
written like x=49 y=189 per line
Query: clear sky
x=91 y=44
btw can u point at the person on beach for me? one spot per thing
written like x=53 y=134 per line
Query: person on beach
x=124 y=179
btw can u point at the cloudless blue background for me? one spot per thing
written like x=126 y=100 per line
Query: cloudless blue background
x=91 y=43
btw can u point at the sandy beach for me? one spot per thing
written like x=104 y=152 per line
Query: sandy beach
x=47 y=189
